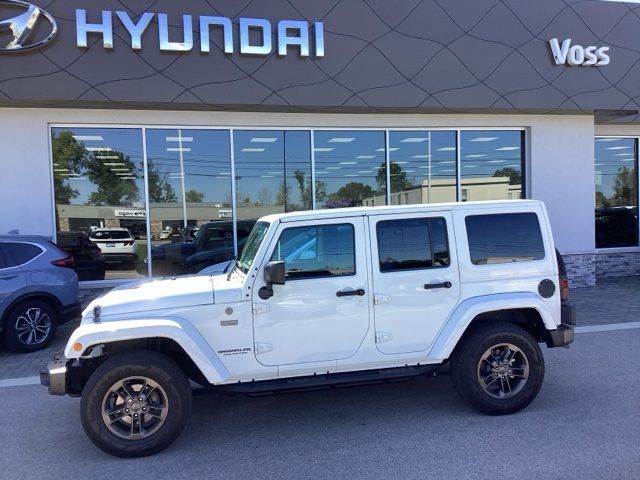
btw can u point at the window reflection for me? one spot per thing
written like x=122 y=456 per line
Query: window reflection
x=189 y=199
x=98 y=180
x=350 y=168
x=616 y=182
x=423 y=167
x=491 y=164
x=273 y=172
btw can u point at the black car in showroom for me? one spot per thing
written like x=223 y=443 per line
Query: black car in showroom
x=89 y=262
x=213 y=243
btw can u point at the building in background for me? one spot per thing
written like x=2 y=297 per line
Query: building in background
x=187 y=122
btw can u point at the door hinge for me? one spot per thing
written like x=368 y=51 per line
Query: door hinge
x=383 y=337
x=262 y=348
x=259 y=308
x=378 y=299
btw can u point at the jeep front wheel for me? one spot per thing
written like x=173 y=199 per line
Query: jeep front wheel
x=135 y=404
x=498 y=368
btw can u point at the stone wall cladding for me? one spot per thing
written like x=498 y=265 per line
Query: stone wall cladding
x=609 y=265
x=581 y=269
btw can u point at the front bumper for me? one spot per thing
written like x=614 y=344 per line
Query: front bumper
x=54 y=375
x=564 y=334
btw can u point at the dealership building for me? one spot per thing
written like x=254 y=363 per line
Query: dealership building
x=157 y=116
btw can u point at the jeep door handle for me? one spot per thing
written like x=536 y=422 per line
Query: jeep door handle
x=350 y=293
x=432 y=286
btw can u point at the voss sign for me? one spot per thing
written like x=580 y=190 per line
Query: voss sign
x=577 y=55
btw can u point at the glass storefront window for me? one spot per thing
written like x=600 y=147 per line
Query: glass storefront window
x=350 y=168
x=616 y=185
x=99 y=184
x=189 y=173
x=99 y=189
x=423 y=167
x=491 y=164
x=273 y=172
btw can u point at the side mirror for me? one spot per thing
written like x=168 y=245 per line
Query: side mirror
x=274 y=274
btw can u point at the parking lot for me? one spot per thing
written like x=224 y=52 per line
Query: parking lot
x=584 y=423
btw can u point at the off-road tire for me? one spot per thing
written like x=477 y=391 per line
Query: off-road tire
x=468 y=354
x=140 y=363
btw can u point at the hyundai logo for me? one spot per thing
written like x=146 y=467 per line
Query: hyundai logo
x=24 y=26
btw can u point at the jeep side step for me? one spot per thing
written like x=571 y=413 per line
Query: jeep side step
x=326 y=381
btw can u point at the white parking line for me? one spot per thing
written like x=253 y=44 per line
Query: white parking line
x=608 y=328
x=19 y=382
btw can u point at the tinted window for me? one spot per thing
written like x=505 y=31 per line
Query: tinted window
x=3 y=263
x=317 y=251
x=412 y=244
x=110 y=235
x=20 y=253
x=504 y=238
x=616 y=180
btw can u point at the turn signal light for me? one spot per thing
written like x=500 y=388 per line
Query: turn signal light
x=77 y=347
x=67 y=262
x=564 y=289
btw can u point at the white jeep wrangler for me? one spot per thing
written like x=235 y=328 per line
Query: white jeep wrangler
x=325 y=298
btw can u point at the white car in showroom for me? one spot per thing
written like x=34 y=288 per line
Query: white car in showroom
x=118 y=246
x=325 y=298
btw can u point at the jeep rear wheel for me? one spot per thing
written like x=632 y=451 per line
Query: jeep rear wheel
x=135 y=404
x=498 y=368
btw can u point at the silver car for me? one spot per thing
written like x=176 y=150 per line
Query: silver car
x=38 y=291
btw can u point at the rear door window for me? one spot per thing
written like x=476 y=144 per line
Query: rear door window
x=504 y=238
x=415 y=243
x=18 y=253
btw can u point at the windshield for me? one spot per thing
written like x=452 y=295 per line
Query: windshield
x=251 y=245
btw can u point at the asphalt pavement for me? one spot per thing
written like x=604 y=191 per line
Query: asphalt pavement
x=583 y=425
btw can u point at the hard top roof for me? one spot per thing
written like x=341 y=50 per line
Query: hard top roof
x=400 y=209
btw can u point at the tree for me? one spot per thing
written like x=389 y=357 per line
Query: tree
x=193 y=196
x=398 y=178
x=306 y=193
x=624 y=187
x=160 y=189
x=602 y=201
x=68 y=155
x=350 y=195
x=515 y=177
x=264 y=197
x=112 y=189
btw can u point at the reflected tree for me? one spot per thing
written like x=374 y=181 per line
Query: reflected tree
x=399 y=181
x=515 y=176
x=160 y=189
x=350 y=195
x=112 y=189
x=624 y=187
x=193 y=196
x=69 y=155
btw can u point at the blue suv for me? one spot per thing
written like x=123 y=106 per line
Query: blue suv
x=38 y=291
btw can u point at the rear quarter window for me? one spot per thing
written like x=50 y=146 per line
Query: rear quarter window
x=17 y=253
x=504 y=238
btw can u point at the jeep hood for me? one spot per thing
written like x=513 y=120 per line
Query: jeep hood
x=177 y=292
